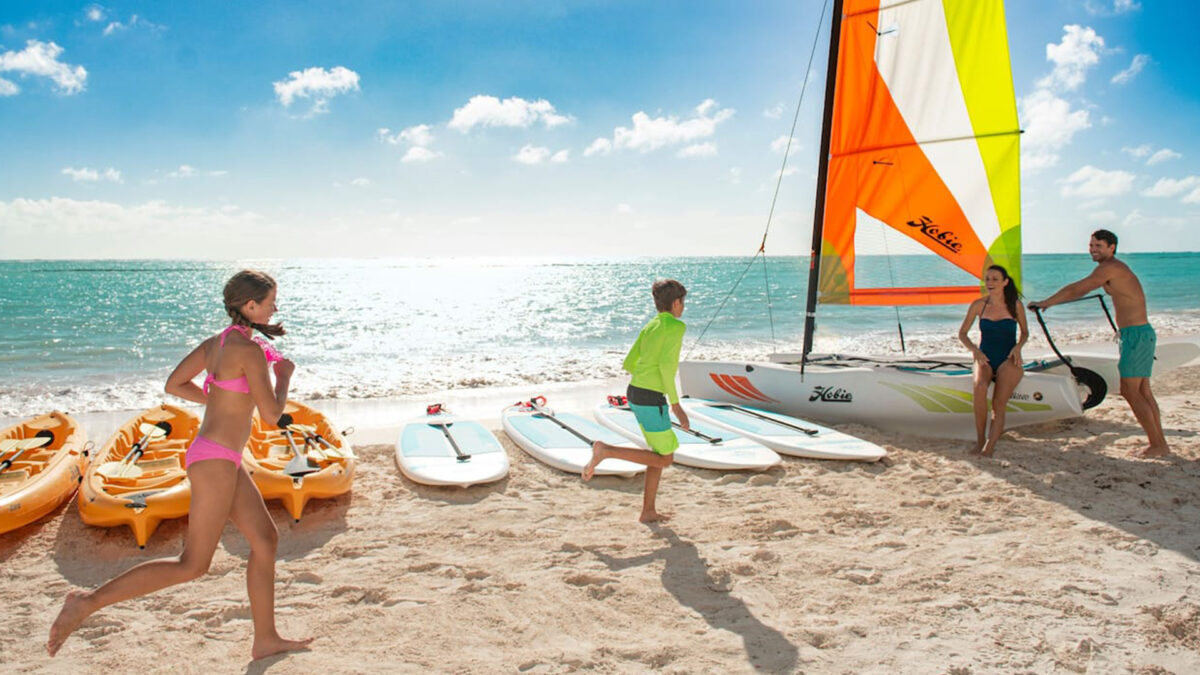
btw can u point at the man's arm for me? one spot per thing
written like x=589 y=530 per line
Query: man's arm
x=1099 y=276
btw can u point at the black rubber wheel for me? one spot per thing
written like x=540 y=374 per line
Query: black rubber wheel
x=1091 y=382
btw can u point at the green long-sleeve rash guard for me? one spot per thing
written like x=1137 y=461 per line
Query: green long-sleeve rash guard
x=654 y=357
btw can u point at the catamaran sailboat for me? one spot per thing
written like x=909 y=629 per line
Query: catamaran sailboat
x=920 y=137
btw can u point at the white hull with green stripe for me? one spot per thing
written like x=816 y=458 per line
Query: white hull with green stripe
x=889 y=395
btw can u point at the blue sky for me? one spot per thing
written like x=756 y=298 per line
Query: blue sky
x=217 y=130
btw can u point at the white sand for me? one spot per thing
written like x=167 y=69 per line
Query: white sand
x=1060 y=555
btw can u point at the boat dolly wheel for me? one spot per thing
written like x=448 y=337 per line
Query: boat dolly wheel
x=1091 y=384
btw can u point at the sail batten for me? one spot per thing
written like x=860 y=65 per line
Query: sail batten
x=928 y=70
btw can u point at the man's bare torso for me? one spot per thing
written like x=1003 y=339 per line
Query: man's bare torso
x=1123 y=287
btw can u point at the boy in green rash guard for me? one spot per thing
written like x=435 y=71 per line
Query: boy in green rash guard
x=652 y=361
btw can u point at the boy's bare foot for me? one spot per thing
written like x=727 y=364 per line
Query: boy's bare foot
x=654 y=517
x=597 y=457
x=976 y=448
x=988 y=449
x=73 y=612
x=1153 y=451
x=276 y=645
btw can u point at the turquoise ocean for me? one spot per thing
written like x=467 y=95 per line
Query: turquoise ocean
x=85 y=336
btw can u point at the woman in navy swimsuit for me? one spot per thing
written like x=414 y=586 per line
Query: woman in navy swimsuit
x=998 y=356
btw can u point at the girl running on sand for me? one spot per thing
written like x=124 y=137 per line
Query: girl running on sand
x=237 y=382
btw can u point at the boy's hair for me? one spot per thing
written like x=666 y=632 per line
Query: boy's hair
x=1106 y=237
x=666 y=292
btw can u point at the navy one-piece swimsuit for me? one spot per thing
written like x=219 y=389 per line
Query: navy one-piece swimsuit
x=997 y=337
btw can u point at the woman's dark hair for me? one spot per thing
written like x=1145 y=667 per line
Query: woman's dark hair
x=1011 y=297
x=666 y=292
x=243 y=287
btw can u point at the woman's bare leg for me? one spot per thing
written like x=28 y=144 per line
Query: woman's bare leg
x=250 y=515
x=1006 y=382
x=213 y=486
x=983 y=378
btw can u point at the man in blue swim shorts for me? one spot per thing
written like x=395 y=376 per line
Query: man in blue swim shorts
x=652 y=362
x=1137 y=336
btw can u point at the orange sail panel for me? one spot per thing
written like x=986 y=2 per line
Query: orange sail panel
x=917 y=147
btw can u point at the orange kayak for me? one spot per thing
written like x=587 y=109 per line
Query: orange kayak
x=41 y=462
x=138 y=478
x=328 y=467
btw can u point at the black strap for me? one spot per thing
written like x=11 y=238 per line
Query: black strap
x=747 y=411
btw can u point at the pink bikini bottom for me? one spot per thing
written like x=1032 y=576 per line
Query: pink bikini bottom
x=202 y=449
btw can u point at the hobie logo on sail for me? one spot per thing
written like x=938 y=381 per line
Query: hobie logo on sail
x=944 y=238
x=831 y=395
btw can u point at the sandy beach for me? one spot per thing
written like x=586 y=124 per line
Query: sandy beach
x=1059 y=555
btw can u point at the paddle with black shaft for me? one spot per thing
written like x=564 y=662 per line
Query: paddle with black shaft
x=437 y=409
x=300 y=465
x=41 y=438
x=747 y=411
x=126 y=467
x=549 y=414
x=622 y=403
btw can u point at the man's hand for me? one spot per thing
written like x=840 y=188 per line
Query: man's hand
x=1038 y=304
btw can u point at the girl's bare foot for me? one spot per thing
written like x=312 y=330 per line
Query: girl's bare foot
x=276 y=645
x=74 y=611
x=654 y=517
x=977 y=448
x=597 y=457
x=988 y=449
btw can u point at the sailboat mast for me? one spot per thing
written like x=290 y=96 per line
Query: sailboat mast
x=814 y=265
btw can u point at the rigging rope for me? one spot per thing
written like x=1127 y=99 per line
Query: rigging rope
x=762 y=247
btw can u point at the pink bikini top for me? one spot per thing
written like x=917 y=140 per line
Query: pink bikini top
x=240 y=384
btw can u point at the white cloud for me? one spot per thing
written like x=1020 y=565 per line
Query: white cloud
x=218 y=172
x=600 y=146
x=1090 y=183
x=94 y=13
x=699 y=150
x=184 y=171
x=1078 y=51
x=135 y=20
x=651 y=133
x=735 y=175
x=1162 y=156
x=418 y=138
x=418 y=153
x=1050 y=124
x=41 y=59
x=489 y=111
x=780 y=144
x=62 y=216
x=8 y=88
x=624 y=209
x=1193 y=197
x=361 y=182
x=1140 y=151
x=774 y=112
x=1171 y=187
x=316 y=83
x=1127 y=75
x=531 y=154
x=93 y=175
x=784 y=173
x=1101 y=8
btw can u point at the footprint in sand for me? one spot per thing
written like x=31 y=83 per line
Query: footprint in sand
x=598 y=587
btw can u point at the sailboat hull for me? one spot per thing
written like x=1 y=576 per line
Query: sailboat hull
x=885 y=395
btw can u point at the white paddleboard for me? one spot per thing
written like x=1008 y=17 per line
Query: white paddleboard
x=426 y=454
x=732 y=453
x=548 y=442
x=783 y=433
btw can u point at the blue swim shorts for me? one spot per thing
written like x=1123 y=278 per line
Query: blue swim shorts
x=655 y=423
x=1137 y=351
